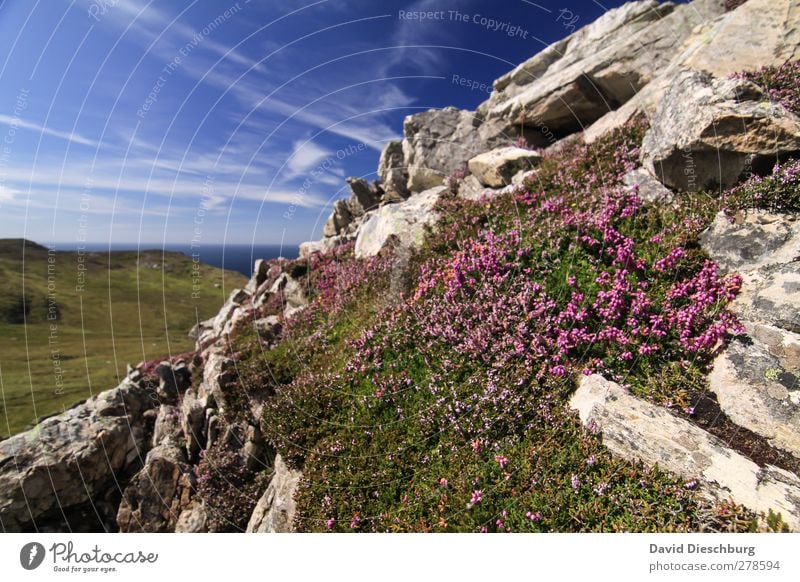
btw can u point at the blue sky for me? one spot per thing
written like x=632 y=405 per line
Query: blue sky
x=130 y=121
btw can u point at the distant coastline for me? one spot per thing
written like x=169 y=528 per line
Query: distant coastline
x=234 y=257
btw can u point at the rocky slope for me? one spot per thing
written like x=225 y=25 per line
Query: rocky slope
x=590 y=328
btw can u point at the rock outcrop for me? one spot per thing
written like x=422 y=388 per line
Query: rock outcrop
x=403 y=223
x=593 y=71
x=711 y=132
x=497 y=168
x=758 y=383
x=640 y=431
x=157 y=495
x=275 y=511
x=757 y=33
x=75 y=459
x=438 y=143
x=393 y=173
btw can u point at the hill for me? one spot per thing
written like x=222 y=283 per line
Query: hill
x=70 y=323
x=574 y=309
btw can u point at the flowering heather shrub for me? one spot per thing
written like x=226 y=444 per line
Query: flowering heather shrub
x=781 y=83
x=229 y=490
x=779 y=192
x=446 y=409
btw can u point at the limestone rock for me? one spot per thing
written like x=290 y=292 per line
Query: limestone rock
x=218 y=374
x=756 y=34
x=364 y=196
x=758 y=385
x=325 y=245
x=392 y=171
x=404 y=222
x=158 y=494
x=194 y=519
x=71 y=458
x=275 y=511
x=291 y=292
x=437 y=143
x=644 y=185
x=471 y=188
x=639 y=431
x=709 y=132
x=340 y=219
x=496 y=168
x=193 y=426
x=167 y=425
x=752 y=240
x=260 y=272
x=591 y=72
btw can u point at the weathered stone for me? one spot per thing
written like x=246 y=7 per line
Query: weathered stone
x=158 y=494
x=639 y=431
x=218 y=374
x=167 y=383
x=758 y=387
x=644 y=185
x=471 y=188
x=194 y=519
x=71 y=458
x=392 y=172
x=268 y=328
x=593 y=71
x=167 y=425
x=437 y=143
x=193 y=423
x=710 y=132
x=772 y=296
x=752 y=240
x=496 y=168
x=364 y=197
x=339 y=220
x=404 y=223
x=325 y=245
x=756 y=34
x=260 y=271
x=291 y=292
x=275 y=511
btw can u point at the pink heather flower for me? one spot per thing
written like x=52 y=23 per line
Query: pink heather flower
x=330 y=523
x=477 y=496
x=534 y=517
x=601 y=488
x=501 y=460
x=691 y=484
x=443 y=482
x=591 y=461
x=575 y=482
x=477 y=446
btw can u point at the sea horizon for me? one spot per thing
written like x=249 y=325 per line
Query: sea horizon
x=234 y=257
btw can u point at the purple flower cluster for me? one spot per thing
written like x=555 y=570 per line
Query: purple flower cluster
x=781 y=83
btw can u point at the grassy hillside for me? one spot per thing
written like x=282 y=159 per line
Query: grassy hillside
x=436 y=399
x=69 y=323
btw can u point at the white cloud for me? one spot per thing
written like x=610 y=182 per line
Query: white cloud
x=66 y=135
x=305 y=156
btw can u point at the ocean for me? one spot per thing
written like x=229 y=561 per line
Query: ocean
x=233 y=257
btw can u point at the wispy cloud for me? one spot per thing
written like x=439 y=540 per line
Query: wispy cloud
x=305 y=156
x=35 y=127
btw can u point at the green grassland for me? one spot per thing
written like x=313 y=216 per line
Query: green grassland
x=70 y=322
